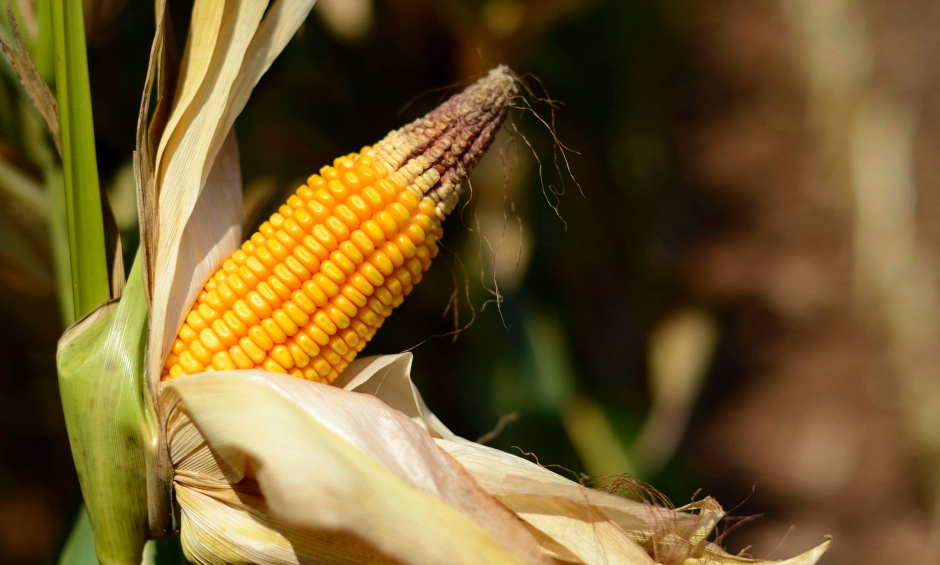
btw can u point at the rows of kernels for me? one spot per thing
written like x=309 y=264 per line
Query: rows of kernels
x=310 y=288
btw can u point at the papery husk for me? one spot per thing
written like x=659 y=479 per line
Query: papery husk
x=307 y=471
x=100 y=363
x=557 y=509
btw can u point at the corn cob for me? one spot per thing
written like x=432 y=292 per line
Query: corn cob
x=306 y=293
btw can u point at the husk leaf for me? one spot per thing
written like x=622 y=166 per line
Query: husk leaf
x=571 y=522
x=325 y=460
x=100 y=363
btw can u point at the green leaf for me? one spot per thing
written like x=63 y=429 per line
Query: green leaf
x=105 y=399
x=87 y=249
x=59 y=245
x=80 y=546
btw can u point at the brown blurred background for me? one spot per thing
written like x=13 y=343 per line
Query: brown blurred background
x=744 y=303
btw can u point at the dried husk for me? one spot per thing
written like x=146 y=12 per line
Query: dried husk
x=294 y=468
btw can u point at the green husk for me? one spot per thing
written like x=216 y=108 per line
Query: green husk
x=100 y=364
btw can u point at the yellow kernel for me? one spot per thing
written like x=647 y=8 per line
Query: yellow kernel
x=359 y=282
x=296 y=313
x=386 y=189
x=383 y=294
x=306 y=343
x=176 y=372
x=234 y=325
x=282 y=355
x=250 y=279
x=291 y=234
x=371 y=274
x=350 y=250
x=393 y=286
x=239 y=257
x=330 y=269
x=260 y=338
x=325 y=237
x=195 y=321
x=257 y=268
x=339 y=259
x=405 y=245
x=373 y=200
x=273 y=366
x=299 y=357
x=347 y=216
x=338 y=345
x=258 y=304
x=337 y=227
x=318 y=211
x=322 y=321
x=280 y=289
x=373 y=231
x=190 y=364
x=319 y=336
x=211 y=341
x=316 y=248
x=226 y=293
x=287 y=277
x=284 y=322
x=304 y=220
x=315 y=182
x=240 y=358
x=381 y=262
x=408 y=199
x=376 y=306
x=295 y=372
x=306 y=258
x=359 y=207
x=337 y=316
x=345 y=305
x=338 y=190
x=321 y=367
x=266 y=290
x=278 y=249
x=362 y=242
x=255 y=353
x=313 y=292
x=264 y=255
x=360 y=328
x=331 y=356
x=352 y=181
x=351 y=338
x=368 y=316
x=187 y=333
x=387 y=223
x=199 y=352
x=214 y=301
x=392 y=252
x=311 y=375
x=179 y=346
x=354 y=295
x=325 y=198
x=222 y=361
x=325 y=284
x=246 y=313
x=273 y=330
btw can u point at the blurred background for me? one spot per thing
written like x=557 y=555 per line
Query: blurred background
x=733 y=293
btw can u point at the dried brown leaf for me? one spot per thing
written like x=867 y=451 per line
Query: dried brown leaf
x=32 y=82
